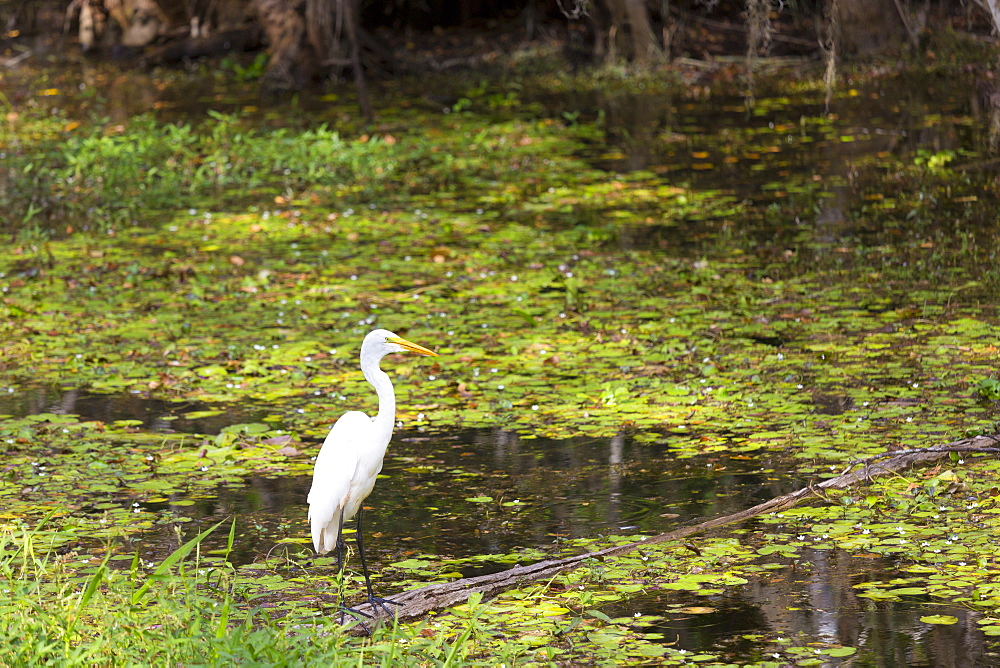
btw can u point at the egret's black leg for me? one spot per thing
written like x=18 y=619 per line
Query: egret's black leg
x=373 y=600
x=340 y=571
x=340 y=543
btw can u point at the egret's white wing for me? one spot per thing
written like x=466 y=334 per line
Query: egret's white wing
x=334 y=477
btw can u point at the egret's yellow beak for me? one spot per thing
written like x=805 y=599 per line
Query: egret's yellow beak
x=409 y=345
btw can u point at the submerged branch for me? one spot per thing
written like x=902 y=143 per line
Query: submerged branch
x=418 y=602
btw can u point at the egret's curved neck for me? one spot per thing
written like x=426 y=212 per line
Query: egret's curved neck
x=386 y=418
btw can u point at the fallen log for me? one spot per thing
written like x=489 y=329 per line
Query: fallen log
x=418 y=602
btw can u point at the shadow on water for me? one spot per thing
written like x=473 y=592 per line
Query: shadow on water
x=814 y=601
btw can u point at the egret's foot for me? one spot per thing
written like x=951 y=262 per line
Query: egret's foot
x=379 y=602
x=358 y=615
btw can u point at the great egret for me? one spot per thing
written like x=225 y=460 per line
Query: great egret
x=351 y=457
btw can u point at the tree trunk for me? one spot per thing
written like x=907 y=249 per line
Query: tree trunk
x=645 y=48
x=351 y=11
x=630 y=32
x=284 y=30
x=868 y=27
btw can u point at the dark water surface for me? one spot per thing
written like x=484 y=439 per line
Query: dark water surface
x=568 y=488
x=815 y=601
x=562 y=488
x=152 y=414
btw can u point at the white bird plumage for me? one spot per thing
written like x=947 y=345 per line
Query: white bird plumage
x=351 y=457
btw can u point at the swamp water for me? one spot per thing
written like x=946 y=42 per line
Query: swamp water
x=569 y=488
x=431 y=500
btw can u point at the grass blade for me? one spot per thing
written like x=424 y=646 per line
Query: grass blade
x=174 y=557
x=95 y=580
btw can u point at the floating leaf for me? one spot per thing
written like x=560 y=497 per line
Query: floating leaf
x=696 y=610
x=939 y=619
x=197 y=415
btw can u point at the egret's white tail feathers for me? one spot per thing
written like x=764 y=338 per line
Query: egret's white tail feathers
x=324 y=531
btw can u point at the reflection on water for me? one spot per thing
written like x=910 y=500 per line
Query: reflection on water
x=803 y=175
x=154 y=414
x=783 y=141
x=815 y=601
x=541 y=490
x=588 y=487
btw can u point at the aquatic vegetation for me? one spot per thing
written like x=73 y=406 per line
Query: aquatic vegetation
x=732 y=296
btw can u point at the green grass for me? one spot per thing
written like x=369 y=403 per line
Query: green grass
x=183 y=612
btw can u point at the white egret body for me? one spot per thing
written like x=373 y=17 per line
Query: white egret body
x=351 y=456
